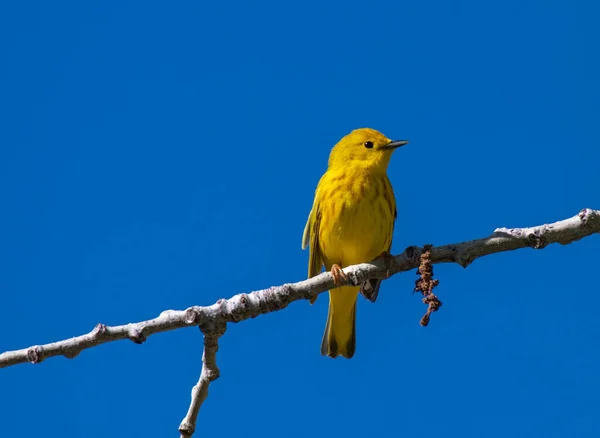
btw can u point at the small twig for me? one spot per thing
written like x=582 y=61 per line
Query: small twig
x=426 y=283
x=209 y=373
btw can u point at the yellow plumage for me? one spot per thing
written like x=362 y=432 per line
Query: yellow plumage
x=351 y=221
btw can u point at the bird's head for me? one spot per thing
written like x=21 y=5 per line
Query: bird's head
x=364 y=148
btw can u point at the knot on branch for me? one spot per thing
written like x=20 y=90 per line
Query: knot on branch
x=212 y=373
x=588 y=215
x=425 y=284
x=463 y=258
x=412 y=252
x=537 y=240
x=186 y=429
x=35 y=354
x=191 y=315
x=100 y=331
x=136 y=335
x=213 y=329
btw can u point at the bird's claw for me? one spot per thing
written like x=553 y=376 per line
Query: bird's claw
x=339 y=278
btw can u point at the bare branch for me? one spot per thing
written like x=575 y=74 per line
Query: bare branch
x=213 y=320
x=209 y=372
x=244 y=306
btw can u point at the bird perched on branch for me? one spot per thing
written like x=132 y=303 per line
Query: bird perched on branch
x=351 y=221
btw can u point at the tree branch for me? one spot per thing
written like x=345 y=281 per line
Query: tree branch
x=213 y=319
x=209 y=372
x=244 y=306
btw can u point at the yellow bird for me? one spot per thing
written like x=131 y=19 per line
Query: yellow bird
x=351 y=221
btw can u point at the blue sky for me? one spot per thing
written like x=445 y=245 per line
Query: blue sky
x=155 y=156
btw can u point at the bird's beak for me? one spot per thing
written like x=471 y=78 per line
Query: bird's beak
x=395 y=144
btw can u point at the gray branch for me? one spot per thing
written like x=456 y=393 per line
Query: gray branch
x=213 y=319
x=209 y=372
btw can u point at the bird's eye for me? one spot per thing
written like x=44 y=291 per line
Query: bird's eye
x=368 y=144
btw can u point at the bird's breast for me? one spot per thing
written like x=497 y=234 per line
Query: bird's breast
x=357 y=220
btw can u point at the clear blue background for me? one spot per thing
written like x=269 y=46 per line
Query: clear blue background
x=156 y=156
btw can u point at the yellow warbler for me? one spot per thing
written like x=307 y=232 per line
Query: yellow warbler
x=351 y=221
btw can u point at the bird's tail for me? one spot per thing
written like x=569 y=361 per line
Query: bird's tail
x=340 y=332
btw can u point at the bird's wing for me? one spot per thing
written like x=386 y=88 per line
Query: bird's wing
x=311 y=238
x=306 y=234
x=370 y=288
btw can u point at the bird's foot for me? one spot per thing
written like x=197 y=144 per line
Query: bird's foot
x=339 y=277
